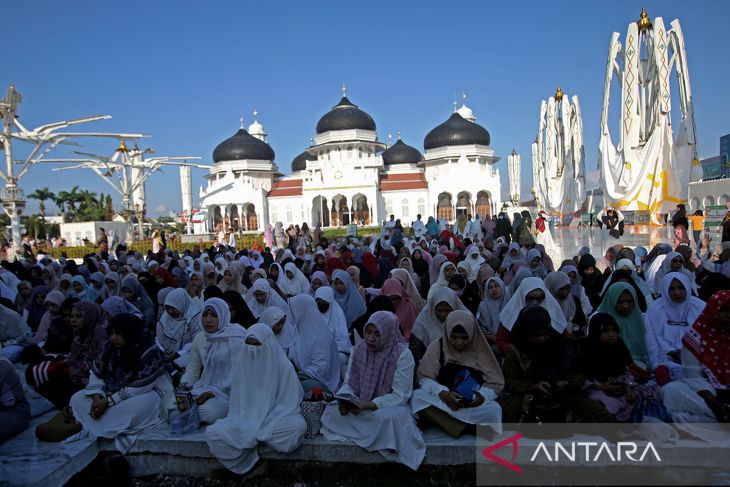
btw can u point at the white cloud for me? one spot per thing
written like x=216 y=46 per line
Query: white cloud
x=160 y=209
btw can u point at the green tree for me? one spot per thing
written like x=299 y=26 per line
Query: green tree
x=109 y=208
x=42 y=195
x=35 y=226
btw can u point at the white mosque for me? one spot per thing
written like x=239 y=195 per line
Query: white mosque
x=348 y=175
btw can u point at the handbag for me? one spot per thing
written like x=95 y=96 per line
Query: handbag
x=312 y=412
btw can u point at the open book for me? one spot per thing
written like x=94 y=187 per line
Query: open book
x=350 y=399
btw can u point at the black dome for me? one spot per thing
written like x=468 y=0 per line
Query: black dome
x=243 y=146
x=401 y=153
x=345 y=116
x=456 y=131
x=300 y=162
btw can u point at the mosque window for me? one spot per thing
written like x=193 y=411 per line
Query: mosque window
x=421 y=206
x=289 y=218
x=274 y=215
x=388 y=207
x=404 y=209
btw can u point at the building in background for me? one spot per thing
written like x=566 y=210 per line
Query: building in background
x=714 y=187
x=348 y=176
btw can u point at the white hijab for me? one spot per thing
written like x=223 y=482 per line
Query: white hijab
x=474 y=261
x=223 y=347
x=288 y=335
x=297 y=285
x=171 y=331
x=509 y=314
x=272 y=298
x=315 y=351
x=427 y=326
x=255 y=411
x=335 y=319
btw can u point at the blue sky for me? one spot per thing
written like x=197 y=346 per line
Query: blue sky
x=184 y=72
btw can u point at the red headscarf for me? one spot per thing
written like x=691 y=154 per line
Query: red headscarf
x=168 y=280
x=709 y=344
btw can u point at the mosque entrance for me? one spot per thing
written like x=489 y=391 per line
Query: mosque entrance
x=484 y=204
x=445 y=209
x=320 y=211
x=360 y=209
x=463 y=204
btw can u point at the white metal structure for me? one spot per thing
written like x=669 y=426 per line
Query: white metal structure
x=513 y=165
x=44 y=138
x=558 y=156
x=650 y=168
x=126 y=171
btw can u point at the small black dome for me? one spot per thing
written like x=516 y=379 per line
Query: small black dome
x=243 y=146
x=456 y=131
x=401 y=153
x=345 y=116
x=300 y=162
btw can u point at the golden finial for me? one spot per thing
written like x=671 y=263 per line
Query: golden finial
x=559 y=94
x=122 y=146
x=644 y=21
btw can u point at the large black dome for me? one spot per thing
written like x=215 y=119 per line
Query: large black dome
x=345 y=116
x=243 y=146
x=300 y=162
x=401 y=153
x=456 y=131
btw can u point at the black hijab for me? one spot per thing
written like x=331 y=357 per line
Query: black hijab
x=604 y=361
x=242 y=314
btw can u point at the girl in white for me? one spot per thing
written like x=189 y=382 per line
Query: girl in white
x=267 y=413
x=213 y=352
x=178 y=325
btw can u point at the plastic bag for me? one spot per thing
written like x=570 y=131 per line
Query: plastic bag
x=184 y=422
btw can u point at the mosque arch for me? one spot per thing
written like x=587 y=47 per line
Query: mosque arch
x=360 y=209
x=320 y=211
x=708 y=201
x=340 y=213
x=217 y=219
x=445 y=207
x=484 y=204
x=234 y=219
x=463 y=204
x=252 y=219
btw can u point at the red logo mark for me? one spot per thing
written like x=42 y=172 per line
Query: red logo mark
x=512 y=440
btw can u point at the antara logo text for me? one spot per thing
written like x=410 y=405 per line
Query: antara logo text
x=574 y=452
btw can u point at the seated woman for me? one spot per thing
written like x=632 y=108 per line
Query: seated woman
x=135 y=293
x=610 y=370
x=292 y=282
x=14 y=407
x=269 y=414
x=495 y=299
x=232 y=278
x=310 y=345
x=195 y=286
x=95 y=287
x=576 y=288
x=378 y=303
x=621 y=303
x=178 y=326
x=347 y=296
x=703 y=393
x=462 y=347
x=534 y=264
x=319 y=279
x=446 y=270
x=559 y=285
x=336 y=322
x=644 y=297
x=380 y=381
x=429 y=324
x=531 y=292
x=127 y=385
x=405 y=308
x=543 y=372
x=58 y=379
x=261 y=296
x=468 y=292
x=667 y=321
x=213 y=352
x=112 y=285
x=406 y=278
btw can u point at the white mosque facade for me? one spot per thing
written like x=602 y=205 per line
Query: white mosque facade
x=348 y=176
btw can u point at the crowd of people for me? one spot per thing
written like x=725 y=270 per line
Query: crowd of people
x=453 y=327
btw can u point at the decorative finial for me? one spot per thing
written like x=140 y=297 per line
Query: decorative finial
x=255 y=113
x=344 y=90
x=122 y=146
x=455 y=104
x=514 y=152
x=241 y=119
x=559 y=94
x=644 y=21
x=399 y=135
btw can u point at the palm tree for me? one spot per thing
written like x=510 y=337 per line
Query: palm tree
x=35 y=226
x=42 y=194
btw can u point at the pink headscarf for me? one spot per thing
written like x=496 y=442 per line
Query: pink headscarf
x=371 y=373
x=322 y=277
x=406 y=309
